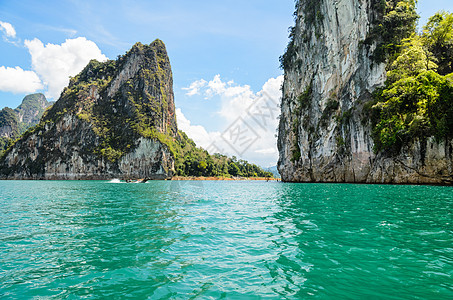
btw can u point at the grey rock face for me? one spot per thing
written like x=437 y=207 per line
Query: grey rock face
x=324 y=135
x=121 y=106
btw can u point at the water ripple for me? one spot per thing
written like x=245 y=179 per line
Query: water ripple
x=224 y=240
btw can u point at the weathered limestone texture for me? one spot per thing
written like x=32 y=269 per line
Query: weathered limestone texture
x=323 y=134
x=112 y=121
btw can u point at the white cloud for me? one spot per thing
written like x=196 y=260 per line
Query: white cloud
x=55 y=63
x=194 y=88
x=16 y=80
x=8 y=29
x=196 y=132
x=51 y=64
x=242 y=111
x=227 y=89
x=215 y=87
x=267 y=151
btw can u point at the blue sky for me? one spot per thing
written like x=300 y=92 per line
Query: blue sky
x=226 y=50
x=240 y=40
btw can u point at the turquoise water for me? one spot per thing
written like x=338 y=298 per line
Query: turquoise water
x=230 y=240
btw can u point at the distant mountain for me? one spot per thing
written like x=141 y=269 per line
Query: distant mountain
x=14 y=122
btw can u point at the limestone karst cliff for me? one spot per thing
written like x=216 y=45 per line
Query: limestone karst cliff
x=333 y=64
x=113 y=120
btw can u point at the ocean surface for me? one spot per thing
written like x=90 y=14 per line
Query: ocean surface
x=224 y=240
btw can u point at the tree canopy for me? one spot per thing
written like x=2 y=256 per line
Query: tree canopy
x=417 y=99
x=437 y=37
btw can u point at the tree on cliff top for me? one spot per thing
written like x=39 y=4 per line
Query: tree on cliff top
x=437 y=36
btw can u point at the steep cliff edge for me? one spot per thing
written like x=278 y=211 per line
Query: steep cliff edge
x=335 y=61
x=115 y=119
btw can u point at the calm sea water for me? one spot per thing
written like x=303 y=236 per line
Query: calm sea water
x=231 y=240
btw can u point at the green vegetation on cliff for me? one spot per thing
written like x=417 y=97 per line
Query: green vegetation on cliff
x=136 y=109
x=9 y=118
x=15 y=122
x=417 y=99
x=394 y=21
x=10 y=127
x=32 y=108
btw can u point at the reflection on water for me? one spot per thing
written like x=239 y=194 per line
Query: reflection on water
x=193 y=239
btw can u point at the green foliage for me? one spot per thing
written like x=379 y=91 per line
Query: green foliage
x=417 y=101
x=193 y=161
x=437 y=36
x=341 y=144
x=331 y=106
x=302 y=103
x=4 y=143
x=295 y=151
x=32 y=109
x=304 y=99
x=286 y=60
x=396 y=21
x=233 y=169
x=345 y=117
x=312 y=11
x=110 y=153
x=8 y=118
x=313 y=17
x=96 y=72
x=340 y=141
x=412 y=60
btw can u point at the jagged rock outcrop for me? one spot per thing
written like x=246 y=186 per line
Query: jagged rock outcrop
x=14 y=122
x=114 y=120
x=330 y=75
x=31 y=109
